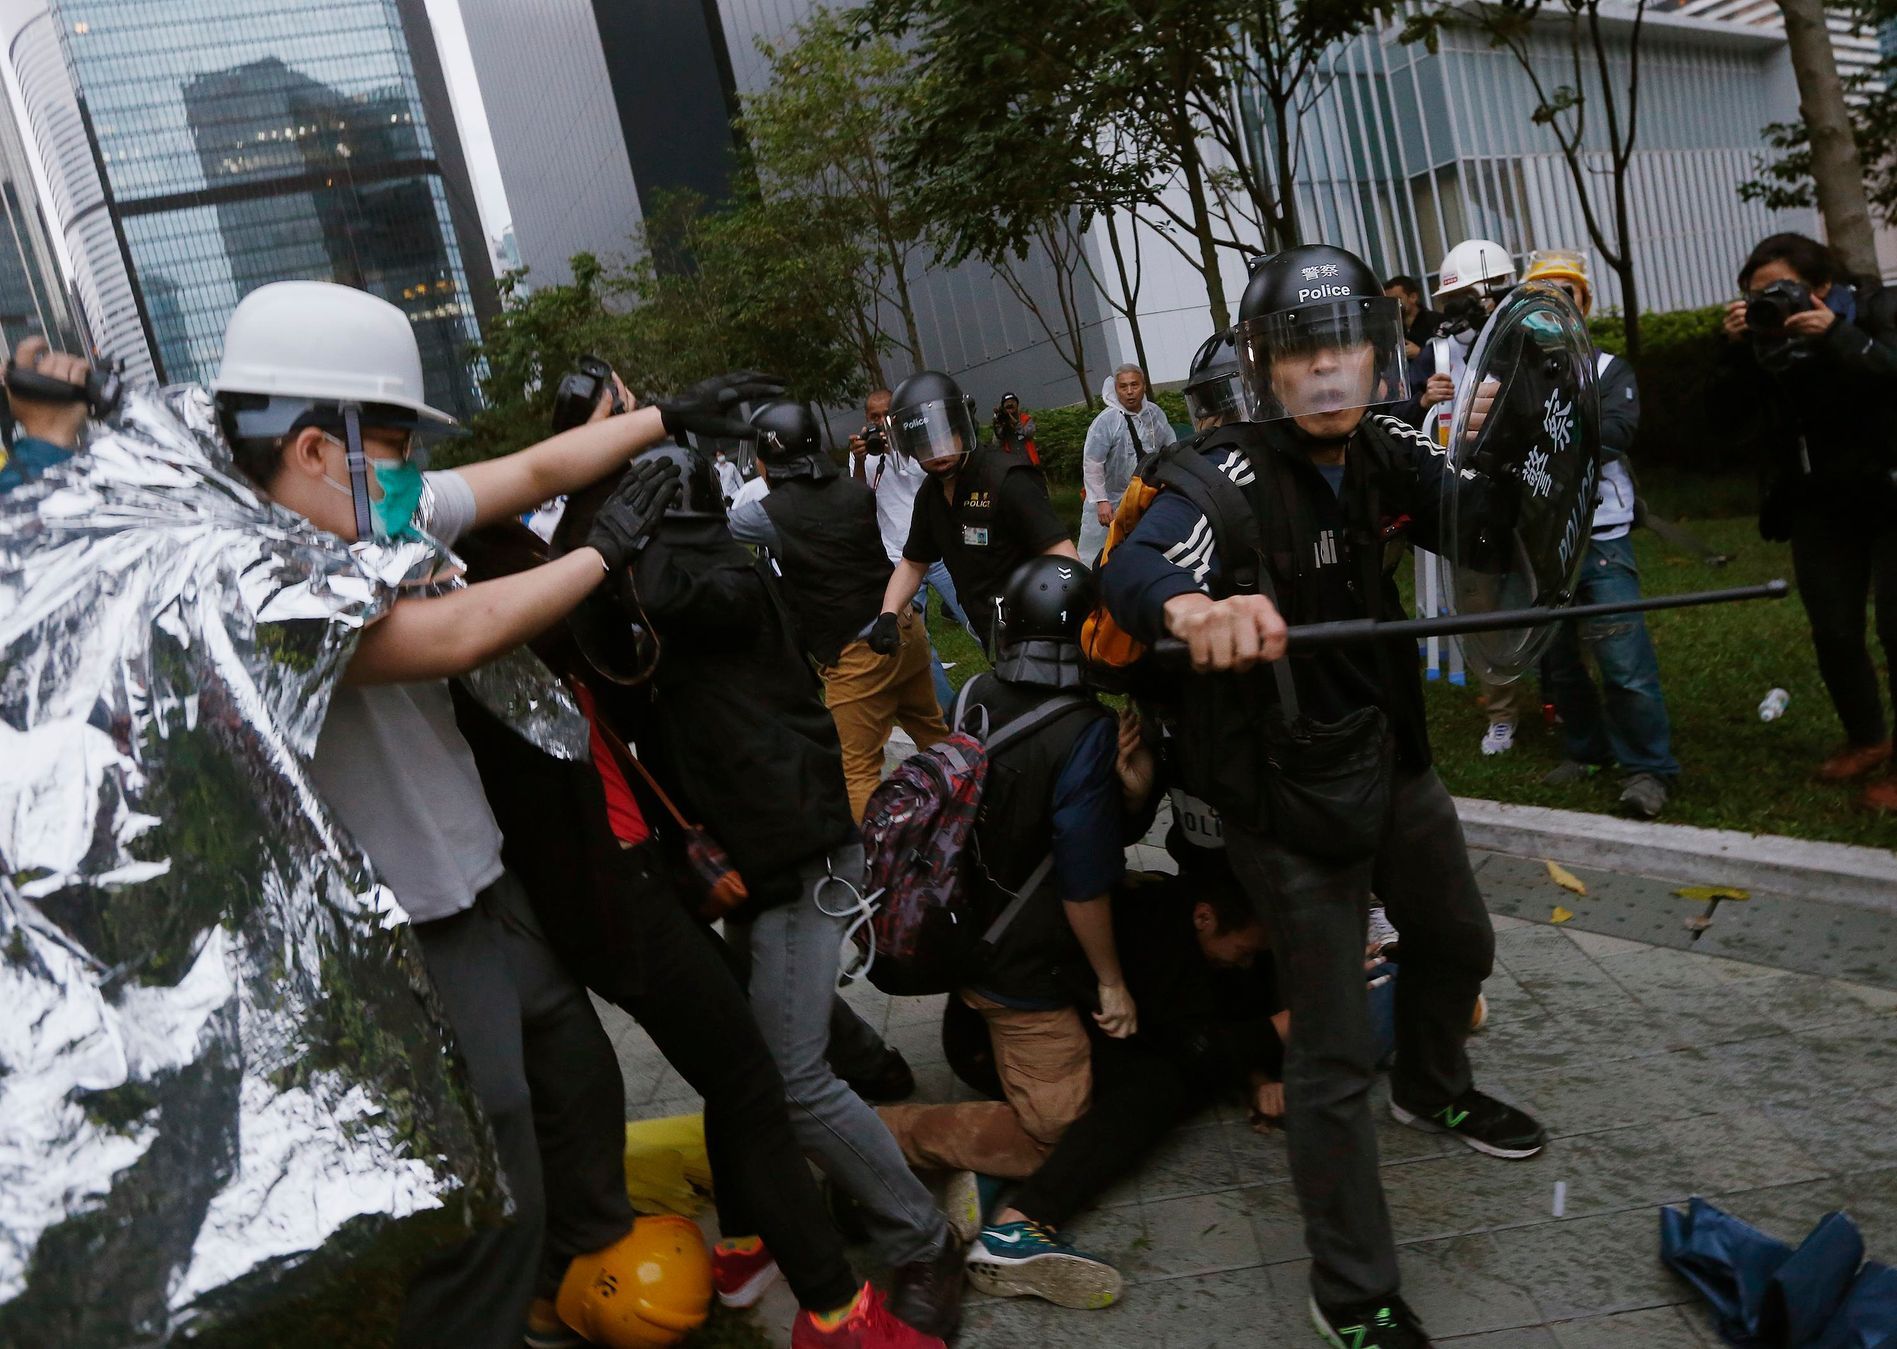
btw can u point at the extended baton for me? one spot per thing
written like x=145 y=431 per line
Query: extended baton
x=1356 y=631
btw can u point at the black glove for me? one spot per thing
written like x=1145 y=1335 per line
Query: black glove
x=883 y=635
x=625 y=523
x=705 y=408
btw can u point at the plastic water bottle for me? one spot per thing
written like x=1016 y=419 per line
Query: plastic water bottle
x=1774 y=705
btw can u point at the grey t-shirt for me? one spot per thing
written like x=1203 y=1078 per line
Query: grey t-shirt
x=395 y=771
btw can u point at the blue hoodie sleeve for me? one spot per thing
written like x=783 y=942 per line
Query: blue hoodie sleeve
x=1168 y=553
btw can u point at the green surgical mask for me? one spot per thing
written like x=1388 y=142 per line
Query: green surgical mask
x=401 y=481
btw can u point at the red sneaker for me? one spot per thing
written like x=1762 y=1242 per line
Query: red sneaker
x=742 y=1277
x=871 y=1326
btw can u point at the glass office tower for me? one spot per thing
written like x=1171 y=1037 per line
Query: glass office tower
x=239 y=142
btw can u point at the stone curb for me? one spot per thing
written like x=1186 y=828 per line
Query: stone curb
x=1864 y=878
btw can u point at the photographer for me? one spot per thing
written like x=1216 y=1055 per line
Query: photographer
x=46 y=431
x=1821 y=352
x=1014 y=429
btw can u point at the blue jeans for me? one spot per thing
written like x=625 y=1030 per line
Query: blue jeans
x=1627 y=724
x=938 y=581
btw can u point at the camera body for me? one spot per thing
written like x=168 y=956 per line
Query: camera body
x=578 y=394
x=1767 y=311
x=875 y=439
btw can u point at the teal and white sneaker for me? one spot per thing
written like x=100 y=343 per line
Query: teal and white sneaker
x=1028 y=1260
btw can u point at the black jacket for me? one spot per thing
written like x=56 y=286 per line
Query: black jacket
x=1828 y=423
x=739 y=713
x=831 y=551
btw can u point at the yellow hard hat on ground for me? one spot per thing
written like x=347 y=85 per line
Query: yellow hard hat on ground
x=650 y=1288
x=1560 y=264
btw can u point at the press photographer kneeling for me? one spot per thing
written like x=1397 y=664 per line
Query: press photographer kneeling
x=1820 y=349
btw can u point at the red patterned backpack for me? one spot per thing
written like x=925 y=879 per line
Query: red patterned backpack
x=918 y=829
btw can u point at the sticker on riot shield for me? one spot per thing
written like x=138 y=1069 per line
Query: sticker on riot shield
x=1524 y=454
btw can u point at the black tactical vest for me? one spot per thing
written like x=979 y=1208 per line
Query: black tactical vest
x=831 y=552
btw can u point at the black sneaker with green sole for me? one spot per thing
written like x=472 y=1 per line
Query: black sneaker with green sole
x=1481 y=1121
x=1387 y=1323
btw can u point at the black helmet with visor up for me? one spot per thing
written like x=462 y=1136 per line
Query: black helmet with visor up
x=1307 y=304
x=931 y=418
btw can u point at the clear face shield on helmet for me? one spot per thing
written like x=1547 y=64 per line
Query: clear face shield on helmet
x=1215 y=398
x=939 y=429
x=1322 y=359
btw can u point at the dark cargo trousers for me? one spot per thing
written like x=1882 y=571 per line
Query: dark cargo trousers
x=1316 y=911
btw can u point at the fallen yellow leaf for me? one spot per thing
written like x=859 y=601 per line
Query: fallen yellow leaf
x=1566 y=879
x=1702 y=894
x=1562 y=915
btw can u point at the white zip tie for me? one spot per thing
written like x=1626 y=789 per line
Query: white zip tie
x=1560 y=1198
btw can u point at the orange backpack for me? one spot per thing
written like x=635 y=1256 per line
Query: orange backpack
x=1182 y=467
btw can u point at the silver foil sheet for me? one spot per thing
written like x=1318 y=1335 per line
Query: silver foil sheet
x=228 y=1108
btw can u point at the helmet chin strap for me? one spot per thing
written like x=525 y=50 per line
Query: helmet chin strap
x=358 y=464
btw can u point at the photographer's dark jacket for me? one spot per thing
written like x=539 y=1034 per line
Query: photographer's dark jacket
x=1322 y=547
x=738 y=711
x=1829 y=419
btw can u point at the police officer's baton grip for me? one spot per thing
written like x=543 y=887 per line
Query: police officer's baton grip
x=1356 y=631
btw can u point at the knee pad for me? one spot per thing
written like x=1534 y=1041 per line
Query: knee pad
x=650 y=1288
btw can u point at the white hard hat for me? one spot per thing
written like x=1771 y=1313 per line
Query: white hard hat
x=1473 y=262
x=322 y=341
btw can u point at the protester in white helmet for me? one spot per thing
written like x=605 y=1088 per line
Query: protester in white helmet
x=320 y=395
x=1472 y=280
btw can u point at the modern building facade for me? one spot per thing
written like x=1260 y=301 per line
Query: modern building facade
x=33 y=296
x=197 y=149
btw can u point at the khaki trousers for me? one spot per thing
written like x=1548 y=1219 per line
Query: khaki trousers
x=1045 y=1062
x=869 y=694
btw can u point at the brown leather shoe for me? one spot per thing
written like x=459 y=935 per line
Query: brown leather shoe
x=1853 y=762
x=1880 y=795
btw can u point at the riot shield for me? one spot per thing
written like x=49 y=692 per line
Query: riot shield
x=1524 y=466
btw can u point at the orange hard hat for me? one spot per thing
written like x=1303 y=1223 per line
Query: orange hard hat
x=649 y=1289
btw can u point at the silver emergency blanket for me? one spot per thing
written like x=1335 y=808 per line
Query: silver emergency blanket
x=228 y=1108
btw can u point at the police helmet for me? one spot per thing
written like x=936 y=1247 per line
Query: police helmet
x=931 y=418
x=1037 y=622
x=790 y=441
x=1317 y=335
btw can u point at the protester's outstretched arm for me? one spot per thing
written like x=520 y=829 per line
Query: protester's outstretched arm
x=561 y=464
x=449 y=635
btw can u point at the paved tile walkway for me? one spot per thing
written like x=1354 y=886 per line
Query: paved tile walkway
x=1663 y=1067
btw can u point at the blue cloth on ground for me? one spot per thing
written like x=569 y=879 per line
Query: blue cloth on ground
x=1765 y=1295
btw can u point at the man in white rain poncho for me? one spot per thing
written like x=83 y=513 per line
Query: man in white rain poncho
x=1129 y=428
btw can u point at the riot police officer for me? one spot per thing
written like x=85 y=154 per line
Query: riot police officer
x=1319 y=764
x=983 y=513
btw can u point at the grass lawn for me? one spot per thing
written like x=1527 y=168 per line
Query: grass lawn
x=1716 y=663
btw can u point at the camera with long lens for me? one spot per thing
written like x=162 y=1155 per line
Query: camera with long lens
x=579 y=391
x=1767 y=311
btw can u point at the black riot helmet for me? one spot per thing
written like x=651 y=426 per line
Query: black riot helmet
x=1214 y=394
x=1316 y=335
x=700 y=499
x=1037 y=622
x=931 y=418
x=790 y=441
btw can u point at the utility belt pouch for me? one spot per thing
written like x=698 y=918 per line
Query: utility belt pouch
x=1325 y=785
